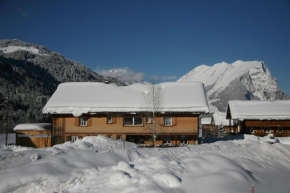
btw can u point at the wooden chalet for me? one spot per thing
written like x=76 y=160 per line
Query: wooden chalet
x=261 y=117
x=118 y=112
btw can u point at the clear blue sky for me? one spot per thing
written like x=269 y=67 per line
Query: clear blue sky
x=166 y=38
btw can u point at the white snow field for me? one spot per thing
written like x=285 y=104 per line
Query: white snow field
x=100 y=164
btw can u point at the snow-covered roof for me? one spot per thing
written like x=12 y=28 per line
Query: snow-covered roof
x=205 y=121
x=219 y=118
x=32 y=126
x=91 y=97
x=259 y=110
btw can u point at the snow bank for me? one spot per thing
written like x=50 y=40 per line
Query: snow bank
x=284 y=140
x=79 y=98
x=97 y=143
x=61 y=162
x=32 y=126
x=212 y=169
x=261 y=110
x=100 y=164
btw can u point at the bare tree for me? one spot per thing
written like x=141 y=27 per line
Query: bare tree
x=153 y=103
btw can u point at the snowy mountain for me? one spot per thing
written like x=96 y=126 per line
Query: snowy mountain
x=240 y=80
x=123 y=74
x=29 y=74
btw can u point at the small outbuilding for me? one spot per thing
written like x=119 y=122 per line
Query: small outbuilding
x=208 y=128
x=261 y=117
x=37 y=135
x=220 y=121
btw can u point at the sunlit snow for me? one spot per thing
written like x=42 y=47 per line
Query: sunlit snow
x=100 y=164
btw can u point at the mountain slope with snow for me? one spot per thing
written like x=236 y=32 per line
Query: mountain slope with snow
x=29 y=74
x=249 y=80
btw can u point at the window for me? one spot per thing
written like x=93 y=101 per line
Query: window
x=119 y=137
x=74 y=138
x=109 y=120
x=168 y=121
x=109 y=136
x=148 y=119
x=183 y=139
x=133 y=121
x=167 y=139
x=141 y=139
x=267 y=130
x=83 y=121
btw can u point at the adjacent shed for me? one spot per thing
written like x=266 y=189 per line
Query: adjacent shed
x=208 y=128
x=261 y=117
x=37 y=135
x=220 y=121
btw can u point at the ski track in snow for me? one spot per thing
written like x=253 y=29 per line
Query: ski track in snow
x=99 y=164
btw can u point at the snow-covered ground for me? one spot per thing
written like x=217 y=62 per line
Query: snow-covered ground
x=99 y=164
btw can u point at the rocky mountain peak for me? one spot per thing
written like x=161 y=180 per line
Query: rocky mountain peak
x=250 y=80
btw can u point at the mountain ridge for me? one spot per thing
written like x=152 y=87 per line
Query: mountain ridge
x=249 y=80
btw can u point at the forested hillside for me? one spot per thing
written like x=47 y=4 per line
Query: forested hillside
x=29 y=74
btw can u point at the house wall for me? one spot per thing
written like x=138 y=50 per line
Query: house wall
x=65 y=126
x=36 y=139
x=280 y=128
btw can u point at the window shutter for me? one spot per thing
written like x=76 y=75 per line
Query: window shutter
x=114 y=120
x=162 y=121
x=174 y=121
x=90 y=120
x=77 y=121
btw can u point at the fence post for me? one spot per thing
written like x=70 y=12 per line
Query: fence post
x=253 y=189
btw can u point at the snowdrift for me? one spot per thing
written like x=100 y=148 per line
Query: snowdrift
x=100 y=164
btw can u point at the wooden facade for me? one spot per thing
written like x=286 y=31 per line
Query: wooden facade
x=280 y=128
x=261 y=118
x=33 y=138
x=184 y=128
